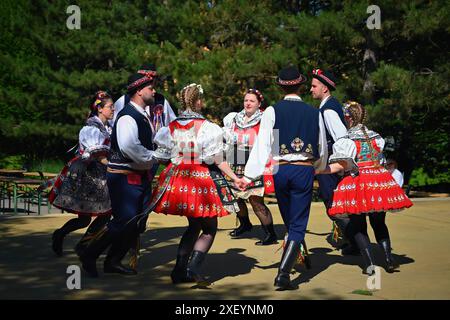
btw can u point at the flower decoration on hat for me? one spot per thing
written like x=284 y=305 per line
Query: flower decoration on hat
x=325 y=77
x=151 y=74
x=140 y=82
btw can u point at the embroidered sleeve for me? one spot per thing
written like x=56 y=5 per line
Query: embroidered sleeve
x=210 y=141
x=165 y=143
x=92 y=143
x=344 y=149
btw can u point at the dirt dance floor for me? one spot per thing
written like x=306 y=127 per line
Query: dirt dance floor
x=236 y=267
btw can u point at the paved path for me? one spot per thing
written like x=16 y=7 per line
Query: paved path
x=238 y=268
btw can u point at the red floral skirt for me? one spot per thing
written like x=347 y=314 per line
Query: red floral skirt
x=373 y=190
x=189 y=190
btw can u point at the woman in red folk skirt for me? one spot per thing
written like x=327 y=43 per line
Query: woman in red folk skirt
x=241 y=131
x=367 y=187
x=193 y=185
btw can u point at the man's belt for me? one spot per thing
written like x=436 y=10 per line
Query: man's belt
x=297 y=163
x=124 y=171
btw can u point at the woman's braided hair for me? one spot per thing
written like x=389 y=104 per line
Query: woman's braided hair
x=189 y=95
x=358 y=115
x=356 y=112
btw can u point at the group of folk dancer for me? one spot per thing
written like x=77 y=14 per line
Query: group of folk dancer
x=211 y=170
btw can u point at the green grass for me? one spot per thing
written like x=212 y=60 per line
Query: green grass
x=363 y=292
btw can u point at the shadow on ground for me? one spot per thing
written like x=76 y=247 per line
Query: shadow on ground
x=30 y=270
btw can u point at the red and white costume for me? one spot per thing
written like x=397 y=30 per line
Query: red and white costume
x=191 y=185
x=369 y=187
x=240 y=137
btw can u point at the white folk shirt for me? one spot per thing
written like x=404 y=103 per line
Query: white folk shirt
x=263 y=145
x=333 y=123
x=129 y=144
x=92 y=139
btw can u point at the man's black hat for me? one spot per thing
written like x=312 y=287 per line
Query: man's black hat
x=327 y=78
x=290 y=76
x=138 y=81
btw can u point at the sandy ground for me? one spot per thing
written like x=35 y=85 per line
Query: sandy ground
x=237 y=268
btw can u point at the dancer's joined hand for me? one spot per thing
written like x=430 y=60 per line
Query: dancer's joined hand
x=240 y=184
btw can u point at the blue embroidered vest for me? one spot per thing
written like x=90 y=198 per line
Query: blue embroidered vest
x=298 y=128
x=145 y=134
x=334 y=105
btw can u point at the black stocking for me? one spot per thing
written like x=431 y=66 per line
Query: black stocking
x=261 y=210
x=189 y=237
x=377 y=221
x=209 y=229
x=243 y=211
x=357 y=228
x=74 y=224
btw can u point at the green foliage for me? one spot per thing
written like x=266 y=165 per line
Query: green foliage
x=49 y=73
x=420 y=178
x=12 y=162
x=48 y=165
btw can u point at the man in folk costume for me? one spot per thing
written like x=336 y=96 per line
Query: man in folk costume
x=161 y=113
x=300 y=147
x=128 y=178
x=323 y=83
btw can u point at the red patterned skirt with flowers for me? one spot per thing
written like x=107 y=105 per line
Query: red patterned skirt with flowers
x=373 y=190
x=193 y=190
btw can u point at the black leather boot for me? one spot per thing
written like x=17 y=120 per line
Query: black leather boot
x=57 y=242
x=179 y=272
x=244 y=226
x=95 y=227
x=391 y=265
x=83 y=243
x=369 y=267
x=350 y=250
x=193 y=268
x=118 y=250
x=288 y=260
x=94 y=250
x=270 y=237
